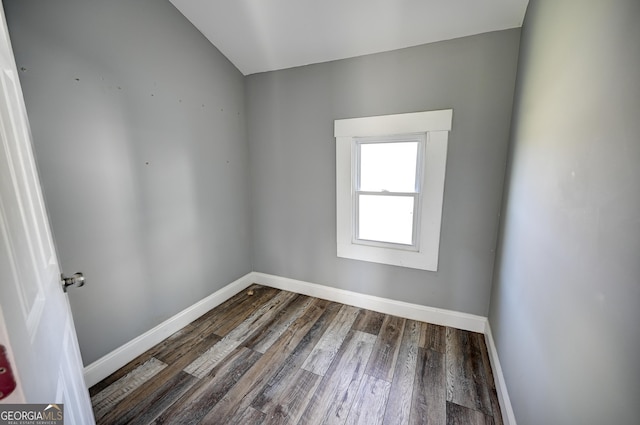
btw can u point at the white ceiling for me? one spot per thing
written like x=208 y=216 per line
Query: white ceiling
x=266 y=35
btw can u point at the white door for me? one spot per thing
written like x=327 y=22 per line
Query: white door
x=35 y=319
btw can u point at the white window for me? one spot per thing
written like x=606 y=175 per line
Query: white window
x=390 y=185
x=387 y=185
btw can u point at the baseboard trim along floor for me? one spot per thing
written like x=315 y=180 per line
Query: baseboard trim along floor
x=437 y=316
x=111 y=362
x=508 y=416
x=106 y=365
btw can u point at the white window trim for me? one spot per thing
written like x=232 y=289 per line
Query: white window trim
x=436 y=124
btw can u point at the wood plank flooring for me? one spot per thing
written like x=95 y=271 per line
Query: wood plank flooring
x=267 y=356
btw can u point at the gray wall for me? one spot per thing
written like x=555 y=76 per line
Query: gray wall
x=139 y=131
x=565 y=307
x=292 y=150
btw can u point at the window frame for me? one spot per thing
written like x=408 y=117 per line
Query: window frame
x=435 y=125
x=357 y=142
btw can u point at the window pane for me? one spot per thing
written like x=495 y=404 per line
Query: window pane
x=386 y=218
x=388 y=166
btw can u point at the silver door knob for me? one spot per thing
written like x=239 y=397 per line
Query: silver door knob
x=77 y=279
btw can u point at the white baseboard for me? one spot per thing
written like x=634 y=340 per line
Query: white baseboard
x=508 y=416
x=437 y=316
x=417 y=312
x=103 y=367
x=106 y=365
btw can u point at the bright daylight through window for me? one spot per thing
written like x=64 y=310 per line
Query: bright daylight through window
x=390 y=185
x=387 y=194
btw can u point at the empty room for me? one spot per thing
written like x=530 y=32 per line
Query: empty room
x=296 y=212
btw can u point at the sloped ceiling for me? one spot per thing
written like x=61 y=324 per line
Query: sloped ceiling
x=266 y=35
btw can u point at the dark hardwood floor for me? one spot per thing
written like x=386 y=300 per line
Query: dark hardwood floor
x=267 y=356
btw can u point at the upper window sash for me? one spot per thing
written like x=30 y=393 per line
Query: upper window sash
x=358 y=142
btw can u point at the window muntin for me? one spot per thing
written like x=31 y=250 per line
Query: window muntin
x=387 y=190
